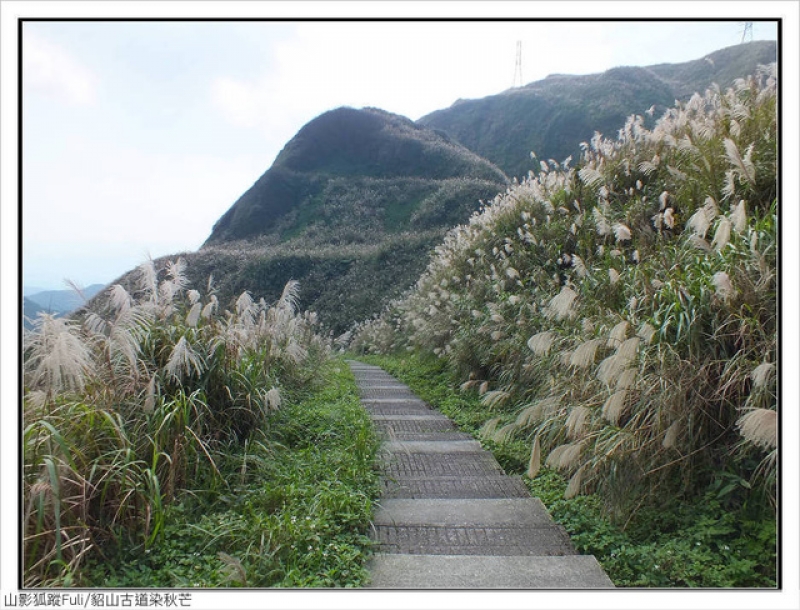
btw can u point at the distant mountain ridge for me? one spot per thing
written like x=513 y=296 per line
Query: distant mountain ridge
x=357 y=200
x=57 y=302
x=552 y=116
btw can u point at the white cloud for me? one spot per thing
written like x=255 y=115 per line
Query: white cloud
x=50 y=69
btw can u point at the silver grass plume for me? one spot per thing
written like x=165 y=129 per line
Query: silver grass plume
x=722 y=235
x=743 y=164
x=574 y=485
x=738 y=216
x=618 y=334
x=701 y=220
x=495 y=398
x=723 y=286
x=59 y=359
x=147 y=280
x=621 y=232
x=760 y=427
x=540 y=343
x=614 y=406
x=504 y=434
x=601 y=224
x=671 y=435
x=584 y=354
x=576 y=422
x=193 y=317
x=565 y=457
x=488 y=429
x=762 y=373
x=560 y=306
x=646 y=333
x=183 y=360
x=535 y=463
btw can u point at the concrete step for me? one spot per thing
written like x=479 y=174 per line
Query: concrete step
x=455 y=487
x=439 y=447
x=550 y=540
x=405 y=571
x=496 y=512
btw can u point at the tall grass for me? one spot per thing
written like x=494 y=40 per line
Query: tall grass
x=621 y=316
x=127 y=403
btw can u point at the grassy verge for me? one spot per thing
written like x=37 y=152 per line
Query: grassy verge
x=721 y=541
x=295 y=512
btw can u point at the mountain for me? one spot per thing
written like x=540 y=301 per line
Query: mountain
x=58 y=302
x=349 y=167
x=358 y=199
x=63 y=301
x=351 y=208
x=551 y=117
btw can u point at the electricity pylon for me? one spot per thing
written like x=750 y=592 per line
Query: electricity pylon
x=518 y=67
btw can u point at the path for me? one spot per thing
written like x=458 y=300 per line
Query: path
x=450 y=518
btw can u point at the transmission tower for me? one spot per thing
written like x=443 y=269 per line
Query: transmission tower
x=747 y=31
x=518 y=67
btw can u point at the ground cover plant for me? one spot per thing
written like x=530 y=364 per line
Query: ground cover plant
x=620 y=317
x=133 y=405
x=723 y=538
x=296 y=511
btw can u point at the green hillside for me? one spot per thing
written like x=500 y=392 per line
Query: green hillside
x=552 y=116
x=349 y=168
x=619 y=323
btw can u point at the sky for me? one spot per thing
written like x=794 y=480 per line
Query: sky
x=138 y=136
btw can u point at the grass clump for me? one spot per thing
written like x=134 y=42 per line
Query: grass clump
x=296 y=513
x=723 y=538
x=621 y=317
x=129 y=406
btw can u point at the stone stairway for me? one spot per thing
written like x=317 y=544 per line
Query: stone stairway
x=449 y=517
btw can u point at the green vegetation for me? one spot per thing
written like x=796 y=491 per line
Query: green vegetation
x=151 y=407
x=295 y=513
x=352 y=168
x=552 y=115
x=723 y=538
x=620 y=320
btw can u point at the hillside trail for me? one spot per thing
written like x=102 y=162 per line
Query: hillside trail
x=449 y=517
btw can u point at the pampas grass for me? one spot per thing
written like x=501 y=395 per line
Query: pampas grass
x=760 y=427
x=644 y=248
